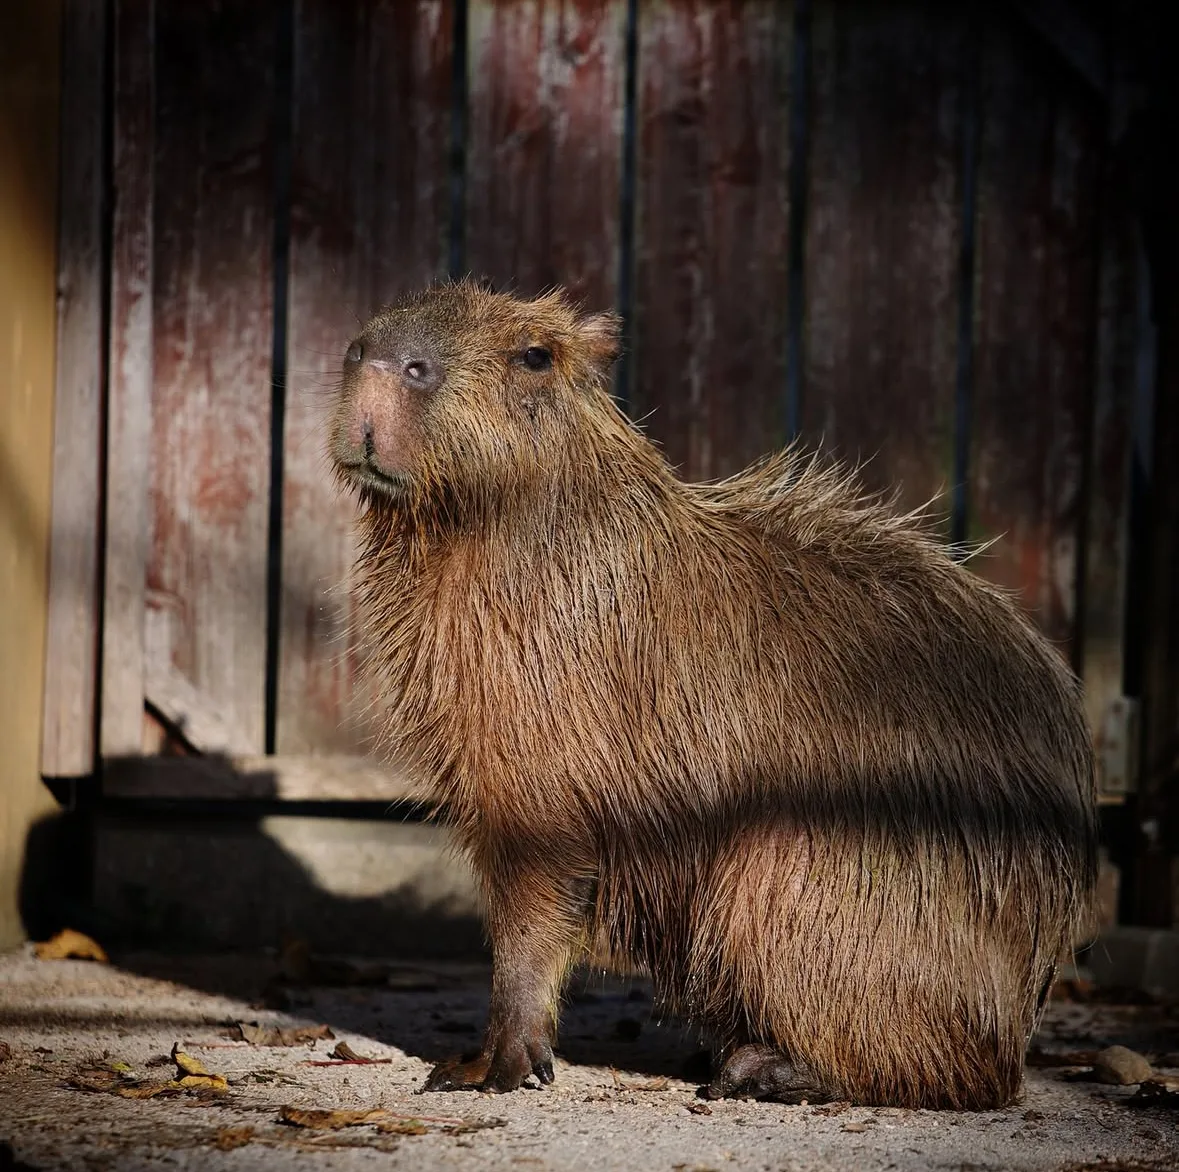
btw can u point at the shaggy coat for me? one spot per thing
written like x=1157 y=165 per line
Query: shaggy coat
x=762 y=737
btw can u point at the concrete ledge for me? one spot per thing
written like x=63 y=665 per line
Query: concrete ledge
x=343 y=885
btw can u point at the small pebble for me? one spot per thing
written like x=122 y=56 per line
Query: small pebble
x=1121 y=1067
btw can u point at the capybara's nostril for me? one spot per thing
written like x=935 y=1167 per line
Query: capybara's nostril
x=421 y=374
x=355 y=352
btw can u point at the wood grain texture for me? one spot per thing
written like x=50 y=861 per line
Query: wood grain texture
x=129 y=412
x=883 y=239
x=369 y=218
x=1122 y=317
x=1121 y=285
x=711 y=269
x=546 y=83
x=1036 y=313
x=71 y=663
x=212 y=312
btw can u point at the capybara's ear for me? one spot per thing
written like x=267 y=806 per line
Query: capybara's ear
x=600 y=334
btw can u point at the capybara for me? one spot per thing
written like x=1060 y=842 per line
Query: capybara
x=762 y=738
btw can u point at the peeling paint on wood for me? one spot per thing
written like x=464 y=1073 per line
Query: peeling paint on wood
x=1107 y=538
x=1038 y=186
x=711 y=263
x=212 y=313
x=129 y=412
x=369 y=217
x=546 y=84
x=883 y=242
x=70 y=711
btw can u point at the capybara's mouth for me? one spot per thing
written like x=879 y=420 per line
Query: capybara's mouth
x=366 y=475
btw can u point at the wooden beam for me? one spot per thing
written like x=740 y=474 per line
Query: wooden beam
x=71 y=663
x=131 y=373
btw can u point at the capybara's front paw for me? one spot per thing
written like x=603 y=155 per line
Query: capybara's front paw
x=503 y=1069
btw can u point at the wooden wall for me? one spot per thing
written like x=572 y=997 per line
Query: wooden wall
x=879 y=227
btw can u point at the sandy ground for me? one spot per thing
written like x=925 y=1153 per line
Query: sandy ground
x=620 y=1101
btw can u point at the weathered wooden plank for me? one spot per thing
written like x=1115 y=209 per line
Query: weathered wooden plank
x=212 y=295
x=546 y=83
x=711 y=256
x=256 y=778
x=369 y=217
x=71 y=656
x=129 y=412
x=1111 y=439
x=1036 y=315
x=882 y=249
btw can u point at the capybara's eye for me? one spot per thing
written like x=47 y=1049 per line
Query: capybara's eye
x=355 y=352
x=537 y=358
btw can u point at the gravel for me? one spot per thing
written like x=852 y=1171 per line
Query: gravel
x=621 y=1099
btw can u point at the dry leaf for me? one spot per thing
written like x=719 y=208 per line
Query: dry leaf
x=700 y=1108
x=344 y=1055
x=402 y=1127
x=186 y=1063
x=192 y=1075
x=70 y=945
x=322 y=1120
x=855 y=1127
x=203 y=1082
x=229 y=1138
x=258 y=1035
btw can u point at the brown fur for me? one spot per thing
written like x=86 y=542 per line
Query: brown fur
x=762 y=737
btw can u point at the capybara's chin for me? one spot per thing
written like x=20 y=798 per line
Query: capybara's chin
x=762 y=738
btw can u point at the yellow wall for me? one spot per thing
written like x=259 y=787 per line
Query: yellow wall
x=29 y=49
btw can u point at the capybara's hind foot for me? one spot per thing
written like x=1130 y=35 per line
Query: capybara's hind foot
x=761 y=1072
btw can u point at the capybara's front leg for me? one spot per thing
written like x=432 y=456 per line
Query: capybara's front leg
x=536 y=924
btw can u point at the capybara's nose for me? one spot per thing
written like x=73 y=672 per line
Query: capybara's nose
x=421 y=374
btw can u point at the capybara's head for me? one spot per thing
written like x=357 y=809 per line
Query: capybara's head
x=459 y=392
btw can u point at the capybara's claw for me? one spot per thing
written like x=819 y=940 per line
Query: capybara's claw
x=512 y=1064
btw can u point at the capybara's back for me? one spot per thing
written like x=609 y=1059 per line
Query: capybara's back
x=761 y=737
